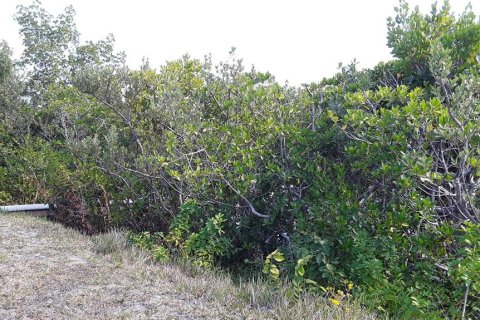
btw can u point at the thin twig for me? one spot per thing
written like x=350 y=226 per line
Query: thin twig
x=465 y=302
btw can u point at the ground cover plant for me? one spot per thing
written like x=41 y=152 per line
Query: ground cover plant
x=365 y=184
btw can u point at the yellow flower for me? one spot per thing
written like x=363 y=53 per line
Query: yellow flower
x=350 y=286
x=335 y=302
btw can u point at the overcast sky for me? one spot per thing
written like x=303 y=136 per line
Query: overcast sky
x=297 y=40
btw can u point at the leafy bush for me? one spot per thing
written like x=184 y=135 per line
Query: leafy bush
x=365 y=184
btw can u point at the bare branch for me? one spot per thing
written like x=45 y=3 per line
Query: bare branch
x=252 y=208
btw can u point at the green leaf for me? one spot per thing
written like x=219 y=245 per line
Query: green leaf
x=300 y=270
x=266 y=267
x=274 y=272
x=278 y=256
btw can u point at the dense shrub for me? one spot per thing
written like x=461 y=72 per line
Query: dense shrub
x=363 y=184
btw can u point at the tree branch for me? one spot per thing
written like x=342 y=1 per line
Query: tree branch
x=250 y=205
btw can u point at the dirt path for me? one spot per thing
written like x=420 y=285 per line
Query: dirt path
x=49 y=272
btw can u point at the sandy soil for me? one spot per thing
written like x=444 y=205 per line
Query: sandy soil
x=50 y=272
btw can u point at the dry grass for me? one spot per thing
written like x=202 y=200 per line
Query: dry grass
x=50 y=272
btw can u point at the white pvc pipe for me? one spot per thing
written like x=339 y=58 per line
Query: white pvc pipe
x=25 y=207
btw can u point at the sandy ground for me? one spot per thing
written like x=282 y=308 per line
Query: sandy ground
x=50 y=272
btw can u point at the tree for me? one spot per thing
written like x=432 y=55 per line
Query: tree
x=411 y=36
x=48 y=41
x=6 y=64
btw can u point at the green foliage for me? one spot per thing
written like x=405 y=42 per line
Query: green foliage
x=464 y=270
x=203 y=246
x=411 y=36
x=6 y=65
x=182 y=224
x=370 y=177
x=300 y=282
x=151 y=242
x=48 y=42
x=209 y=243
x=270 y=265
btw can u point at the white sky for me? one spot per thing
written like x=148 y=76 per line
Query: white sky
x=299 y=41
